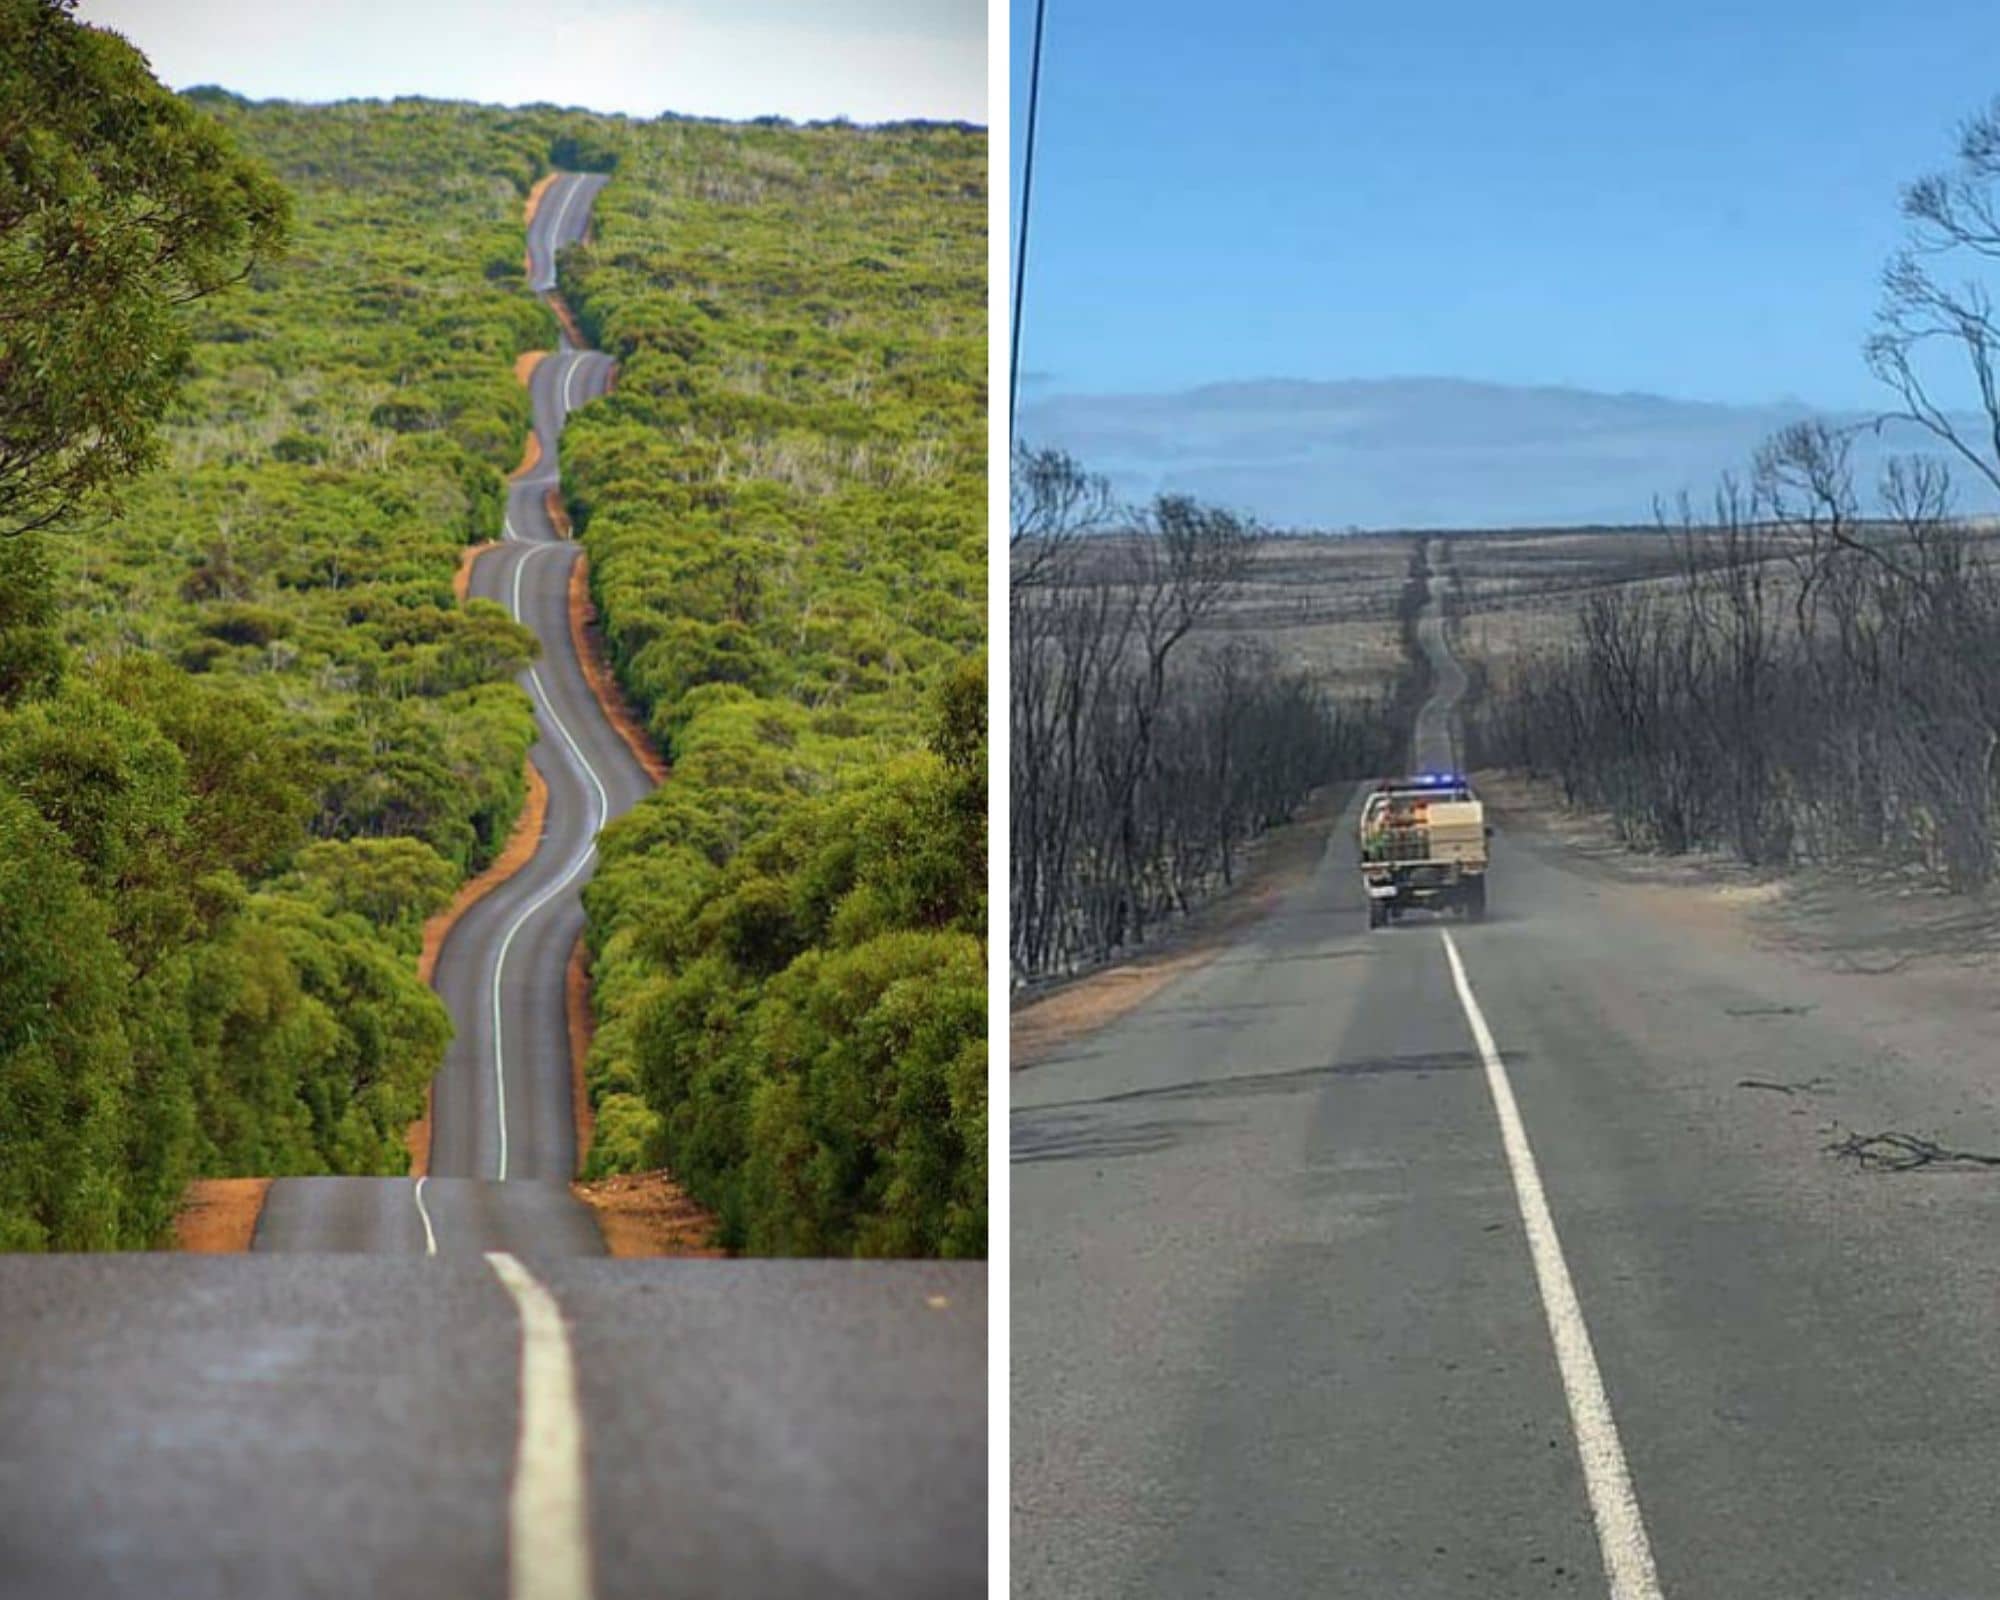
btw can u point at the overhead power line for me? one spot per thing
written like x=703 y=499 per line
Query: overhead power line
x=1021 y=236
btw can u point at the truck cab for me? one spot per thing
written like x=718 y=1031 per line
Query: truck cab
x=1423 y=844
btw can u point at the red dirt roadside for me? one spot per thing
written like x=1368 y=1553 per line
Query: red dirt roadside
x=218 y=1215
x=647 y=1214
x=461 y=580
x=568 y=320
x=590 y=651
x=528 y=210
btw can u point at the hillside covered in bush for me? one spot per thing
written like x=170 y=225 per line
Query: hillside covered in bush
x=783 y=503
x=248 y=738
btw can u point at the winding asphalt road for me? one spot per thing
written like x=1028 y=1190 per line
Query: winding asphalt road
x=331 y=1417
x=1367 y=1264
x=503 y=1133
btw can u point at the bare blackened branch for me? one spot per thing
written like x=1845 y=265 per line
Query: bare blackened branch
x=1905 y=1152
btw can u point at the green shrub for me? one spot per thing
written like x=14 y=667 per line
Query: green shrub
x=784 y=505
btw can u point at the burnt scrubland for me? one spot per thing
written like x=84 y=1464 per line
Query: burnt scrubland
x=1811 y=685
x=783 y=505
x=1805 y=671
x=1181 y=684
x=249 y=738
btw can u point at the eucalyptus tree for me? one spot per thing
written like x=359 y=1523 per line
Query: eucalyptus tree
x=119 y=203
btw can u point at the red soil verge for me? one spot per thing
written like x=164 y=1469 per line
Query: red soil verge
x=461 y=580
x=567 y=318
x=535 y=196
x=528 y=210
x=646 y=1214
x=590 y=651
x=417 y=1136
x=531 y=452
x=218 y=1215
x=531 y=448
x=514 y=855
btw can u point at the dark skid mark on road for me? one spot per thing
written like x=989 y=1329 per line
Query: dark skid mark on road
x=1080 y=1138
x=1251 y=1008
x=1034 y=1140
x=1359 y=952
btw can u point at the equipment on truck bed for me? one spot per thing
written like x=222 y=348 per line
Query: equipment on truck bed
x=1423 y=843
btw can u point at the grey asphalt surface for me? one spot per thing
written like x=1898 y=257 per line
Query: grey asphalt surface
x=502 y=1112
x=335 y=1426
x=337 y=1414
x=1434 y=741
x=1275 y=1326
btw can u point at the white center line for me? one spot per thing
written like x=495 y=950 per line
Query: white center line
x=430 y=1238
x=547 y=709
x=548 y=1518
x=1621 y=1532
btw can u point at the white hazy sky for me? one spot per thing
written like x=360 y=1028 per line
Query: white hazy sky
x=871 y=60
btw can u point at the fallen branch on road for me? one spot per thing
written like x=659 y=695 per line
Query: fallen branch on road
x=1904 y=1152
x=1804 y=1086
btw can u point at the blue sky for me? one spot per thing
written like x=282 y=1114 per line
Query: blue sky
x=1691 y=199
x=871 y=60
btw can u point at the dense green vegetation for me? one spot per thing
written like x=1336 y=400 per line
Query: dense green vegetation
x=119 y=203
x=248 y=739
x=783 y=503
x=344 y=432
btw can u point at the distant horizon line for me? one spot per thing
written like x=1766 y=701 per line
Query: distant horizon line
x=836 y=121
x=1039 y=388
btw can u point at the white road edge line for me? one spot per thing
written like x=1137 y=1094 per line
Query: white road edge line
x=548 y=1540
x=577 y=864
x=1614 y=1506
x=430 y=1238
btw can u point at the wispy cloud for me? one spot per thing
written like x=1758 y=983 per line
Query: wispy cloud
x=1430 y=452
x=870 y=60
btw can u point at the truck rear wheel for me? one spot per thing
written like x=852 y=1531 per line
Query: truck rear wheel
x=1475 y=900
x=1377 y=914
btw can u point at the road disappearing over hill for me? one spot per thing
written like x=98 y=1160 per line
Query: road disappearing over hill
x=503 y=1134
x=425 y=1388
x=1504 y=1259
